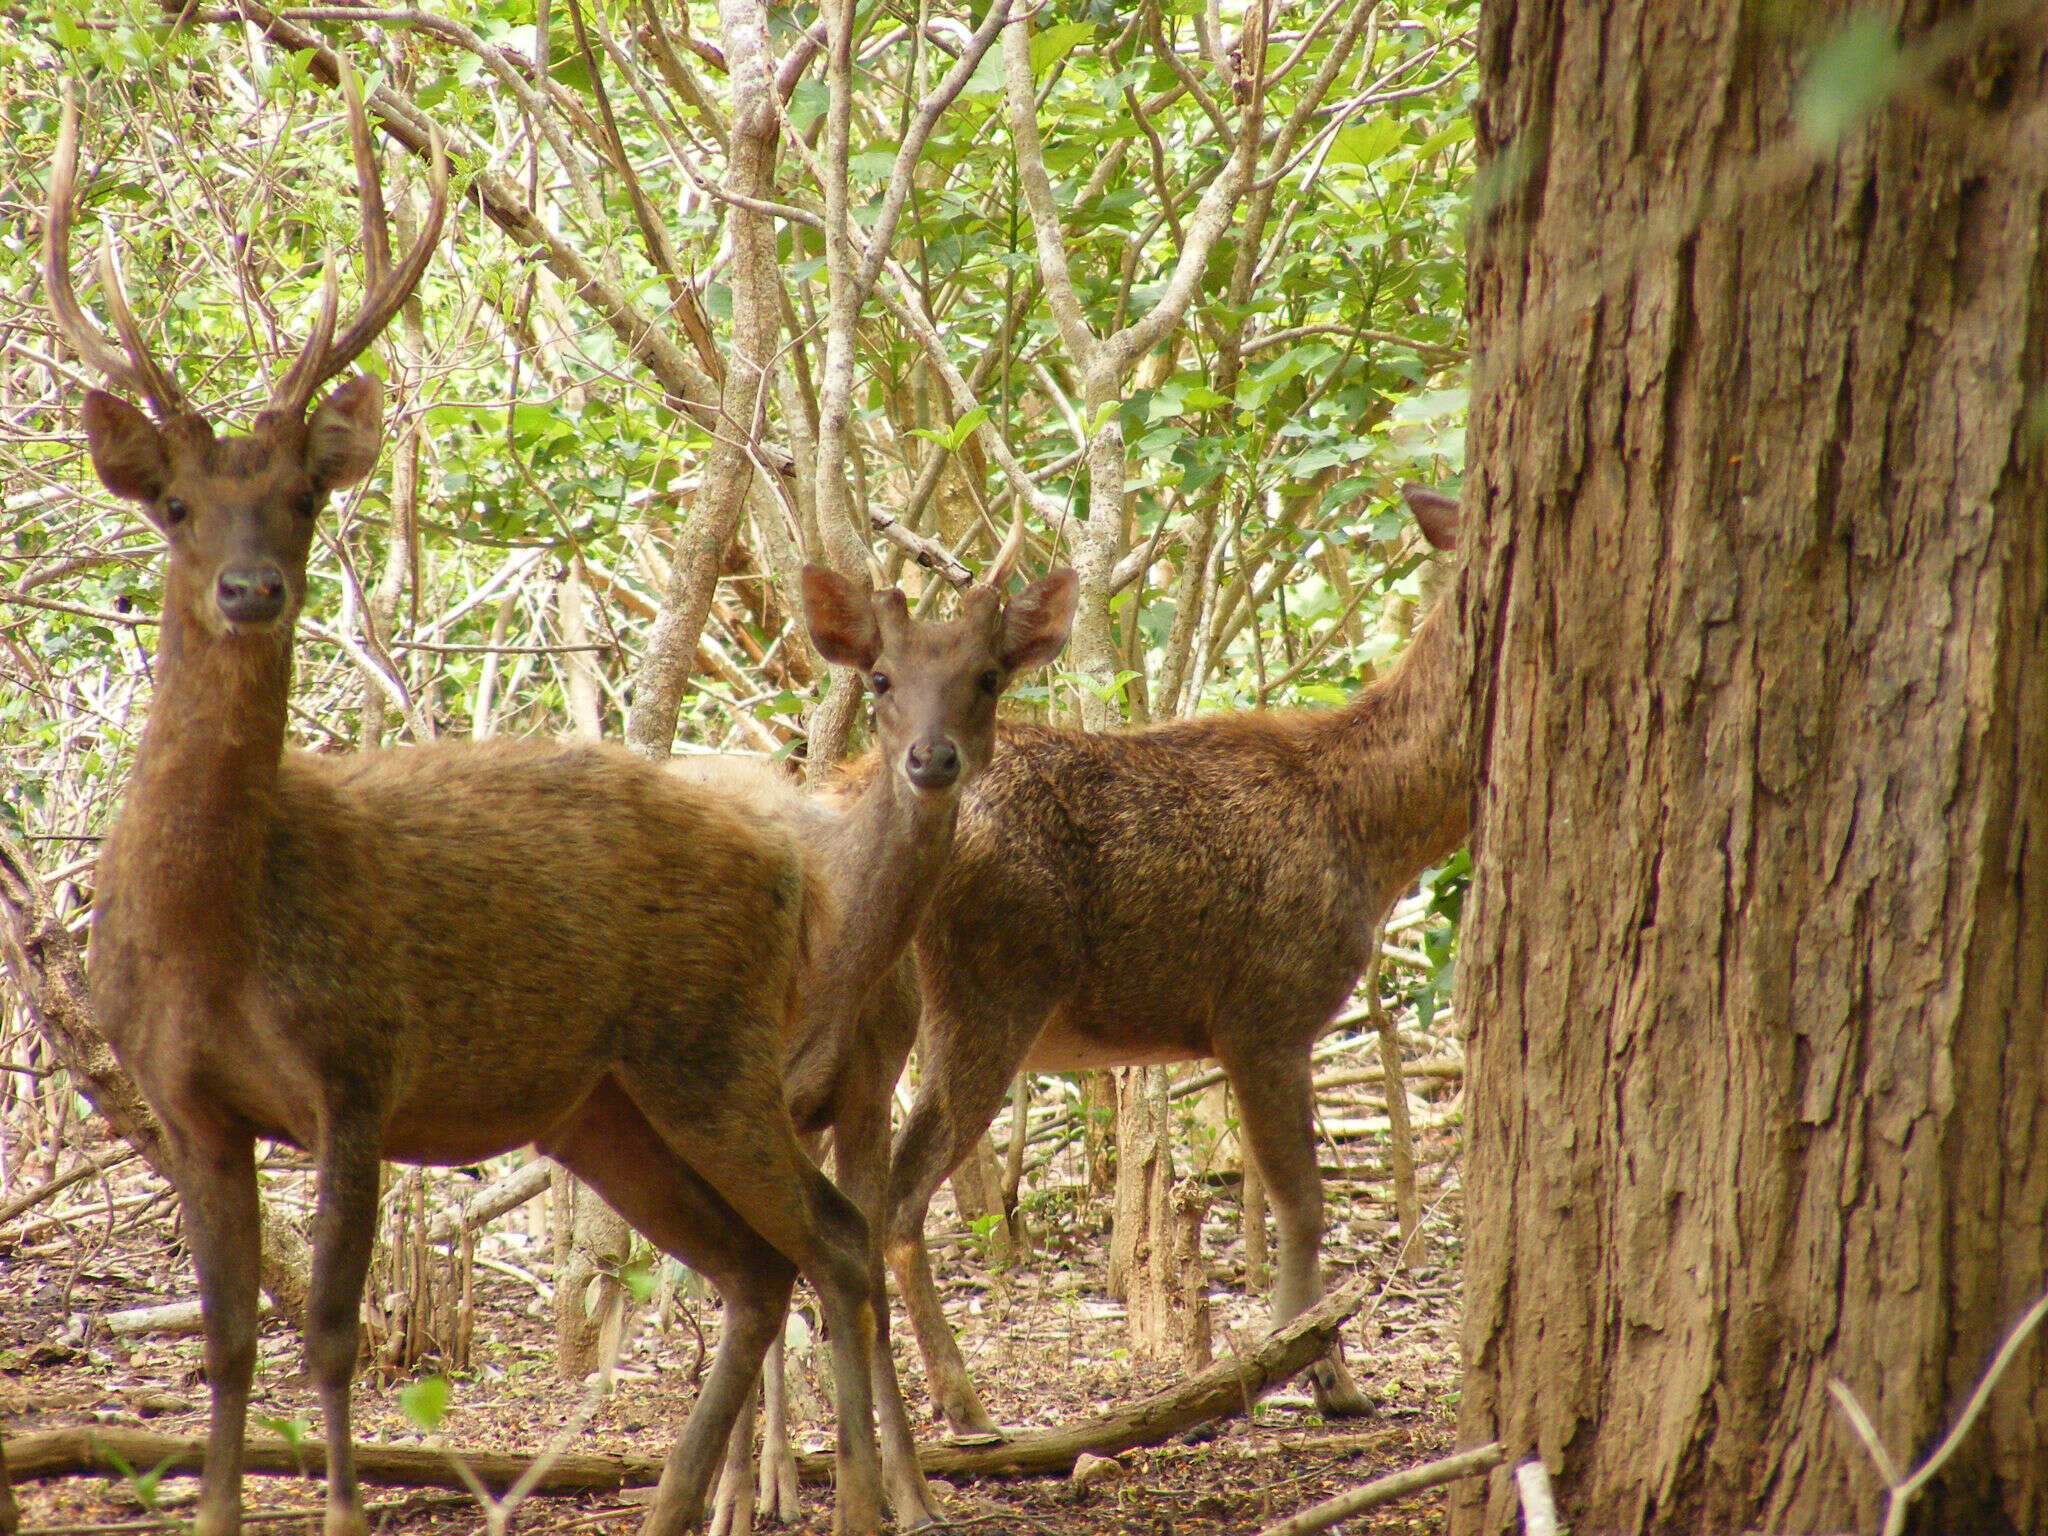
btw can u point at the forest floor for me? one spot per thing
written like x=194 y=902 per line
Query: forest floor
x=1045 y=1344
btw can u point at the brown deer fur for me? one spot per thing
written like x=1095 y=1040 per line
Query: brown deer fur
x=438 y=954
x=882 y=838
x=431 y=955
x=1201 y=888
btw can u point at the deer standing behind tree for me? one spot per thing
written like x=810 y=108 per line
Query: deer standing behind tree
x=882 y=841
x=1200 y=888
x=432 y=954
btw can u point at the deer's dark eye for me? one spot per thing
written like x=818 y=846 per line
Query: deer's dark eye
x=303 y=503
x=175 y=511
x=880 y=683
x=991 y=681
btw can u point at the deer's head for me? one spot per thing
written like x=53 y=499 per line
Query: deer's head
x=935 y=685
x=236 y=512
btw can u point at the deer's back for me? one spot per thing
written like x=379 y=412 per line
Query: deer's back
x=1148 y=889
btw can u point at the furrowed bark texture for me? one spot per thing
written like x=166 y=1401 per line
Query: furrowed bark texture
x=1757 y=949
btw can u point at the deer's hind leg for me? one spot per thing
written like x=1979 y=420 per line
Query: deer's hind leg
x=967 y=1057
x=1276 y=1114
x=609 y=1144
x=736 y=1134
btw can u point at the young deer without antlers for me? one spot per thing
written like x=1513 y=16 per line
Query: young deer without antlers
x=935 y=688
x=1201 y=888
x=431 y=954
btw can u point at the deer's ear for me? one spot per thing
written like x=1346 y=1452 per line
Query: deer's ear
x=842 y=619
x=1036 y=623
x=344 y=434
x=130 y=454
x=1435 y=514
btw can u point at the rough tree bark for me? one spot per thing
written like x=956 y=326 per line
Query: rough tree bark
x=1756 y=956
x=721 y=497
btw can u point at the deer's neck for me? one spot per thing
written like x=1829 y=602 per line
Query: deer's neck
x=885 y=856
x=188 y=849
x=1405 y=746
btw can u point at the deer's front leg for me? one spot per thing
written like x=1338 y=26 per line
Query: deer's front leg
x=215 y=1171
x=344 y=1228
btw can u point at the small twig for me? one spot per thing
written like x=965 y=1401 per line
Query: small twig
x=1902 y=1491
x=496 y=650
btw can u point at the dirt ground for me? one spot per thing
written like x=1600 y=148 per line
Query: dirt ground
x=1045 y=1344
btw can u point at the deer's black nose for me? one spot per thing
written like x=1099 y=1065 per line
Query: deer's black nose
x=932 y=764
x=250 y=594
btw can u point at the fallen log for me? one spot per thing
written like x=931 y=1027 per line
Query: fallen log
x=94 y=1448
x=1384 y=1490
x=10 y=1512
x=1228 y=1387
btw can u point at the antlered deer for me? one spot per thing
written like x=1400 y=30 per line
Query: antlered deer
x=431 y=954
x=882 y=847
x=1200 y=888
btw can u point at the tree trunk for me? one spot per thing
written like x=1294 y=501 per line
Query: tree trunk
x=1143 y=1271
x=592 y=1241
x=1756 y=955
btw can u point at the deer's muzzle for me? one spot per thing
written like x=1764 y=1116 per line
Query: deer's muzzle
x=932 y=765
x=250 y=594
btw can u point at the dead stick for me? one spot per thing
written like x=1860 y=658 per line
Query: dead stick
x=1383 y=1490
x=85 y=1170
x=1226 y=1388
x=492 y=1201
x=1400 y=1137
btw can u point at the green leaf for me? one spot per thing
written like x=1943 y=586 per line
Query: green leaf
x=1853 y=71
x=1055 y=43
x=956 y=437
x=292 y=1431
x=425 y=1402
x=1365 y=143
x=638 y=1279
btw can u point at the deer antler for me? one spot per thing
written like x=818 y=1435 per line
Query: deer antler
x=386 y=288
x=128 y=367
x=998 y=570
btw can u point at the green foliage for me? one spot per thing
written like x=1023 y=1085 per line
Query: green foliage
x=144 y=1486
x=1281 y=415
x=1853 y=70
x=425 y=1402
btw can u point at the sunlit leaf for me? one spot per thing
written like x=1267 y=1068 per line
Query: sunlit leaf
x=1852 y=72
x=425 y=1402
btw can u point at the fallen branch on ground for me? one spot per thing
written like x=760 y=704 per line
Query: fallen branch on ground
x=492 y=1201
x=83 y=1171
x=1226 y=1388
x=87 y=1449
x=1384 y=1490
x=170 y=1317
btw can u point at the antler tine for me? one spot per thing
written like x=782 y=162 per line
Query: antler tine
x=129 y=366
x=295 y=390
x=163 y=394
x=387 y=294
x=998 y=570
x=369 y=189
